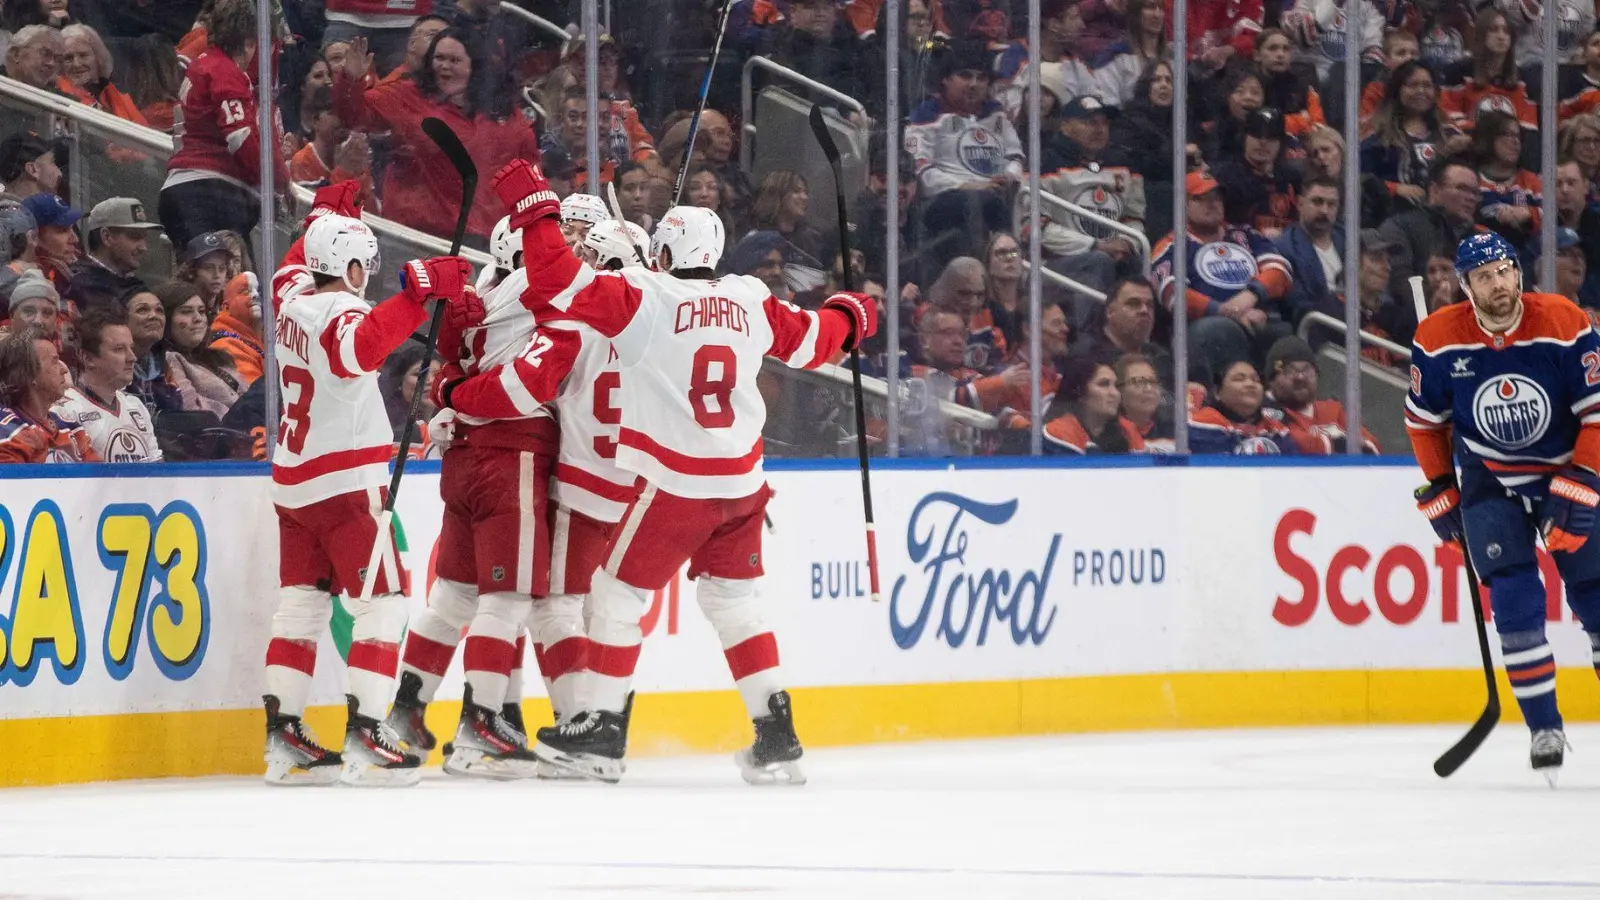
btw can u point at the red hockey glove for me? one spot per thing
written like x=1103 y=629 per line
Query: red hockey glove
x=461 y=313
x=862 y=312
x=342 y=199
x=1440 y=501
x=1568 y=514
x=523 y=189
x=449 y=374
x=442 y=277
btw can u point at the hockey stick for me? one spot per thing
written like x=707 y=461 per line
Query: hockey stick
x=831 y=151
x=700 y=107
x=446 y=140
x=1453 y=758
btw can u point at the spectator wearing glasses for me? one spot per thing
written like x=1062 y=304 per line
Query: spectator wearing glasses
x=34 y=57
x=1144 y=403
x=963 y=288
x=1085 y=416
x=1579 y=140
x=118 y=425
x=119 y=232
x=1007 y=304
x=32 y=379
x=1316 y=426
x=1445 y=220
x=1509 y=195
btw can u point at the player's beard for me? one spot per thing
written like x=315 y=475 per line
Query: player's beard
x=1500 y=310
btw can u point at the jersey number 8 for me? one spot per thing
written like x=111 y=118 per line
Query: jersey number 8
x=720 y=388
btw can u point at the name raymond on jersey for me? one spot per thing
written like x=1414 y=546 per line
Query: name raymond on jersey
x=711 y=312
x=293 y=337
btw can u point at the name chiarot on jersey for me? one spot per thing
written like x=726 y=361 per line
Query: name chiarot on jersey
x=711 y=312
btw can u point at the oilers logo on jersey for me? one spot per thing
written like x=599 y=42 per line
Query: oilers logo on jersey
x=1332 y=38
x=1226 y=265
x=1495 y=103
x=1511 y=410
x=1096 y=199
x=981 y=152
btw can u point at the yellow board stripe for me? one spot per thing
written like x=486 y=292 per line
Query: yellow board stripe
x=228 y=742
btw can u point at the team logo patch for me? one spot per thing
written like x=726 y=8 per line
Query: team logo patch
x=498 y=573
x=1492 y=551
x=1513 y=411
x=980 y=152
x=1256 y=446
x=1495 y=103
x=1096 y=198
x=124 y=446
x=1225 y=265
x=755 y=560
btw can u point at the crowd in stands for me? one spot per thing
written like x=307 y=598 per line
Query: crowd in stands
x=1448 y=146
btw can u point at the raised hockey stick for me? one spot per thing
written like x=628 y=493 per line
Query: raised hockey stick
x=1453 y=758
x=446 y=140
x=700 y=107
x=831 y=151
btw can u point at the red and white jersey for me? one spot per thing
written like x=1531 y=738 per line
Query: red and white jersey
x=121 y=431
x=333 y=435
x=378 y=13
x=215 y=134
x=503 y=335
x=589 y=409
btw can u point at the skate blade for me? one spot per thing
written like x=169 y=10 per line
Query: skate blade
x=547 y=772
x=776 y=773
x=1551 y=775
x=586 y=766
x=466 y=762
x=364 y=775
x=286 y=774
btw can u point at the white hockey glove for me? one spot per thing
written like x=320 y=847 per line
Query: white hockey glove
x=442 y=429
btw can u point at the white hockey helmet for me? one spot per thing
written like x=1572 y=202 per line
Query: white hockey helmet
x=505 y=244
x=693 y=235
x=584 y=208
x=614 y=241
x=333 y=242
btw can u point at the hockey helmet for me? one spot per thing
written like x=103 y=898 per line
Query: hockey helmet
x=505 y=244
x=584 y=208
x=1483 y=249
x=618 y=242
x=692 y=234
x=333 y=242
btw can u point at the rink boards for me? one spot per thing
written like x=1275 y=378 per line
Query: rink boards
x=134 y=609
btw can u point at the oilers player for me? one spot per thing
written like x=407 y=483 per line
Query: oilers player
x=1504 y=416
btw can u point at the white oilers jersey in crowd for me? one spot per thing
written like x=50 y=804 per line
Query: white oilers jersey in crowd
x=589 y=409
x=1115 y=192
x=1574 y=23
x=1317 y=28
x=121 y=431
x=503 y=335
x=334 y=435
x=951 y=150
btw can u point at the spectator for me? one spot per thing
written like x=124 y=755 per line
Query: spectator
x=1574 y=23
x=237 y=329
x=558 y=170
x=153 y=79
x=398 y=380
x=334 y=153
x=32 y=379
x=1144 y=44
x=1509 y=194
x=1142 y=135
x=34 y=303
x=942 y=337
x=1488 y=79
x=1006 y=304
x=1381 y=314
x=814 y=41
x=203 y=375
x=1085 y=416
x=1060 y=68
x=207 y=266
x=1325 y=152
x=1285 y=89
x=147 y=322
x=622 y=138
x=962 y=289
x=119 y=233
x=1221 y=31
x=1237 y=281
x=1241 y=94
x=633 y=194
x=118 y=426
x=967 y=155
x=1317 y=427
x=1077 y=169
x=501 y=38
x=781 y=205
x=1007 y=393
x=1574 y=211
x=1257 y=189
x=57 y=250
x=34 y=57
x=1144 y=402
x=418 y=39
x=713 y=143
x=1234 y=421
x=86 y=75
x=19 y=14
x=29 y=165
x=1579 y=140
x=421 y=188
x=760 y=254
x=1124 y=327
x=1444 y=221
x=1105 y=24
x=1406 y=135
x=1440 y=282
x=871 y=212
x=919 y=51
x=386 y=27
x=621 y=134
x=1314 y=247
x=703 y=188
x=1399 y=47
x=213 y=173
x=1440 y=42
x=1572 y=271
x=1320 y=28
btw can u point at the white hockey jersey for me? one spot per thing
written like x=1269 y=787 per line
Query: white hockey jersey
x=950 y=150
x=1574 y=23
x=503 y=335
x=121 y=431
x=1318 y=29
x=333 y=433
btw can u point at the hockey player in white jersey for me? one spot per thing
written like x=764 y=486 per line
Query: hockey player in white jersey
x=579 y=213
x=689 y=346
x=117 y=423
x=328 y=473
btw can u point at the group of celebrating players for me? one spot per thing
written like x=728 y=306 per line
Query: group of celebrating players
x=601 y=427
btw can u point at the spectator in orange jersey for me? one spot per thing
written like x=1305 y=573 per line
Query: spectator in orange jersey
x=1488 y=80
x=236 y=330
x=32 y=379
x=1007 y=393
x=1144 y=402
x=1235 y=421
x=334 y=153
x=1286 y=89
x=1317 y=426
x=86 y=75
x=1085 y=415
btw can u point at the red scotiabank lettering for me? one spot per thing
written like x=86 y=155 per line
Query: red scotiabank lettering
x=1377 y=580
x=663 y=600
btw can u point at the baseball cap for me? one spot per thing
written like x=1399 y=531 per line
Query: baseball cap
x=555 y=163
x=1266 y=122
x=1196 y=184
x=48 y=209
x=119 y=212
x=21 y=148
x=1373 y=241
x=1085 y=106
x=204 y=245
x=1566 y=238
x=1286 y=350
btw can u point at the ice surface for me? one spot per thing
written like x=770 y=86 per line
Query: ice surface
x=1319 y=814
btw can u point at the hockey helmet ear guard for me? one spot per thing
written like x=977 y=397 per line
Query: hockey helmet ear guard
x=333 y=242
x=1479 y=250
x=504 y=245
x=692 y=235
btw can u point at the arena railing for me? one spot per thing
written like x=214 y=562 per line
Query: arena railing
x=1383 y=388
x=1140 y=240
x=747 y=104
x=537 y=21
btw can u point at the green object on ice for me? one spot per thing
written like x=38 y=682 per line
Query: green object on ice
x=341 y=623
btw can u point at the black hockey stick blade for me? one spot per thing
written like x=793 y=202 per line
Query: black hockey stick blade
x=1453 y=758
x=447 y=142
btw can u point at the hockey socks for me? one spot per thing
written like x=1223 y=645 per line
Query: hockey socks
x=747 y=643
x=375 y=651
x=491 y=647
x=1531 y=669
x=433 y=635
x=614 y=636
x=301 y=617
x=562 y=649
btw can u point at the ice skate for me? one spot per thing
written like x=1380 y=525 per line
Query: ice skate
x=486 y=746
x=372 y=754
x=588 y=745
x=511 y=713
x=771 y=759
x=1549 y=750
x=551 y=772
x=406 y=716
x=292 y=755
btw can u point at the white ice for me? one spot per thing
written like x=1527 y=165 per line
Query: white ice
x=1328 y=814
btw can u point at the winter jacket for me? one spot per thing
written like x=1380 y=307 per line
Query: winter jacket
x=1310 y=281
